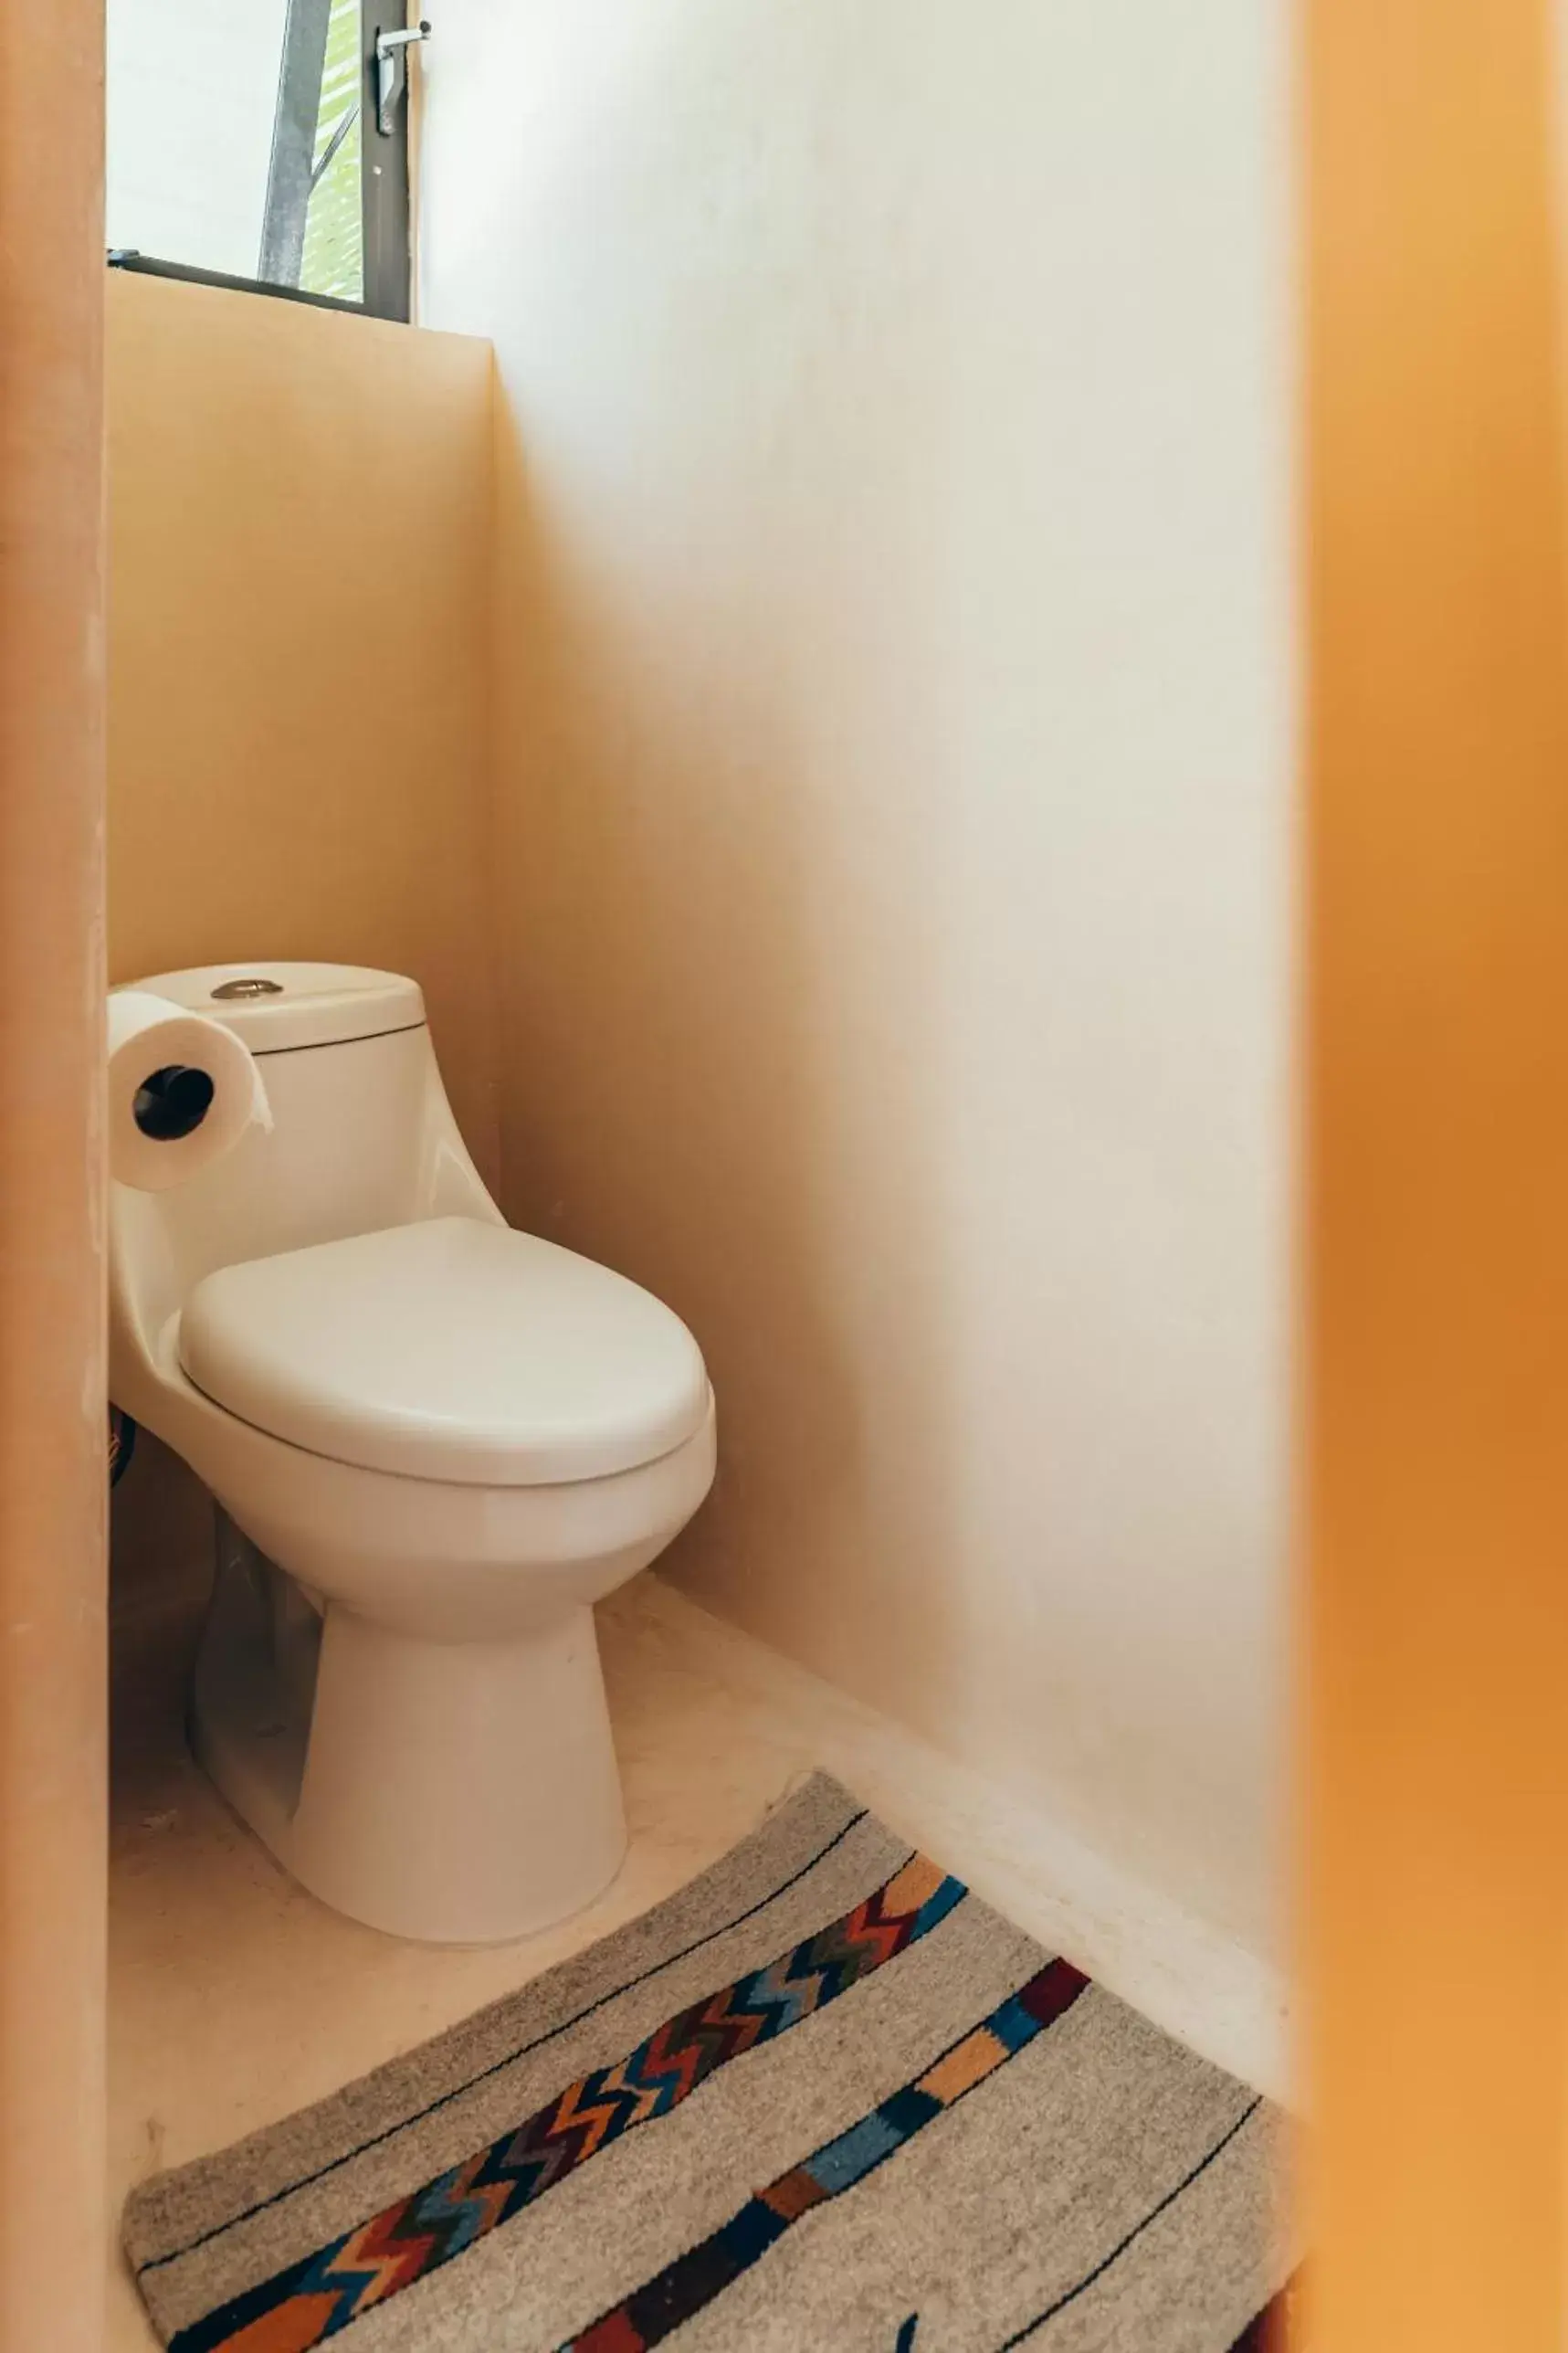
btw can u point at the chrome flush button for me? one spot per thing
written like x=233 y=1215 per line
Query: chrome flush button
x=232 y=988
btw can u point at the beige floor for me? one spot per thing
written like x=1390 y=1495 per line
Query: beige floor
x=234 y=1997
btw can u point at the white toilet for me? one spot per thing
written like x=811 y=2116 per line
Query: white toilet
x=435 y=1443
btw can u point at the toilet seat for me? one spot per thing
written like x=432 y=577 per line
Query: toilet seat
x=451 y=1349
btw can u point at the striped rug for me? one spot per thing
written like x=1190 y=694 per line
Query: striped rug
x=822 y=2100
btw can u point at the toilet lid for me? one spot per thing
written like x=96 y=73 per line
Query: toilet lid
x=452 y=1349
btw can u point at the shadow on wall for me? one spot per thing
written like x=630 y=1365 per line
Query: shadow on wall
x=161 y=1530
x=688 y=1095
x=161 y=1566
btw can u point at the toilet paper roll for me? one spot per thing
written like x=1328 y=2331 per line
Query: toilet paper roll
x=182 y=1090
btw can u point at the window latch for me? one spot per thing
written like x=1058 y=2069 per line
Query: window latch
x=389 y=49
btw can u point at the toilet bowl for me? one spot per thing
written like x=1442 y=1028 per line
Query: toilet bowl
x=435 y=1443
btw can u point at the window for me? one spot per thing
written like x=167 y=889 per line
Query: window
x=263 y=144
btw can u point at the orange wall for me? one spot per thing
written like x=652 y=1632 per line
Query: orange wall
x=299 y=582
x=51 y=1262
x=1437 y=1457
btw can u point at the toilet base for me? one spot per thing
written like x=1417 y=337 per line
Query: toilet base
x=454 y=1792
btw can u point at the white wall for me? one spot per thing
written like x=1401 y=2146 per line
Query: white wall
x=894 y=755
x=191 y=92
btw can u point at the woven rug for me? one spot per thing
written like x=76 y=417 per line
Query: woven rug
x=821 y=2101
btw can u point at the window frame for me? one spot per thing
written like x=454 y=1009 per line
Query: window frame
x=386 y=197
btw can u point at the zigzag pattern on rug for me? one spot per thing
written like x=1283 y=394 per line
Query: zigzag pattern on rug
x=688 y=2286
x=314 y=2298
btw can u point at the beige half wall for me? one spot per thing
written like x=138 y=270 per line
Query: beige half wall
x=297 y=656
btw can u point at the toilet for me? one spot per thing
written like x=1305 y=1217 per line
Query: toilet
x=434 y=1443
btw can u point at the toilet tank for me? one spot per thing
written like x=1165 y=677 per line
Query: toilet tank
x=363 y=1137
